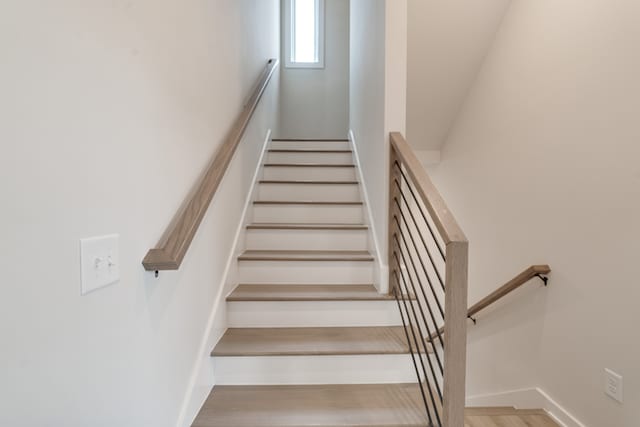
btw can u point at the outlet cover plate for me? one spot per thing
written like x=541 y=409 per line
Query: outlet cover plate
x=99 y=262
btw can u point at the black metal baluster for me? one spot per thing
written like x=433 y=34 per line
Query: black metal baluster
x=413 y=355
x=415 y=223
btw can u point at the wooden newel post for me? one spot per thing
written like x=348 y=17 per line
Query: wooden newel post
x=455 y=334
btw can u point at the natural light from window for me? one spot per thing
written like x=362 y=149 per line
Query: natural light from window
x=305 y=31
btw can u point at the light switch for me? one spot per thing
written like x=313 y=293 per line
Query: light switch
x=99 y=262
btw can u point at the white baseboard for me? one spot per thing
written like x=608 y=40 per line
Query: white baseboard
x=202 y=378
x=381 y=272
x=529 y=398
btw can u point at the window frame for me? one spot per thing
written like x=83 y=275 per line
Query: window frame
x=289 y=39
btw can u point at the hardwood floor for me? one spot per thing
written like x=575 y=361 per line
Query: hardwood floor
x=378 y=405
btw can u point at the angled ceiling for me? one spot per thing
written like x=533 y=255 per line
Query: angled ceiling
x=447 y=42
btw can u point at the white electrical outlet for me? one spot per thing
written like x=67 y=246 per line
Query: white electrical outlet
x=99 y=262
x=613 y=385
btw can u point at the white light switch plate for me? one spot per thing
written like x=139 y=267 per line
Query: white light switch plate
x=99 y=262
x=613 y=385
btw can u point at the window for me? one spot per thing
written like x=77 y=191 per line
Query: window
x=304 y=33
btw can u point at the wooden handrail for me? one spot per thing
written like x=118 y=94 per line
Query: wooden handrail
x=448 y=227
x=504 y=290
x=507 y=288
x=172 y=247
x=402 y=159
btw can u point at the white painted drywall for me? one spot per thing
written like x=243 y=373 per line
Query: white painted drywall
x=367 y=109
x=447 y=43
x=542 y=167
x=110 y=111
x=377 y=99
x=314 y=103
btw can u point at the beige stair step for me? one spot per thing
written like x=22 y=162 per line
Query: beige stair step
x=313 y=405
x=306 y=150
x=308 y=182
x=278 y=226
x=267 y=292
x=305 y=202
x=309 y=165
x=305 y=256
x=309 y=140
x=384 y=405
x=312 y=341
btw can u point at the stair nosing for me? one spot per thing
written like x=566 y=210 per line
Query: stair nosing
x=306 y=202
x=308 y=140
x=302 y=182
x=308 y=151
x=397 y=330
x=308 y=165
x=293 y=226
x=311 y=288
x=305 y=255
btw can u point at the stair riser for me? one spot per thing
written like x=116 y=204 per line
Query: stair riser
x=328 y=158
x=310 y=145
x=309 y=173
x=308 y=214
x=361 y=369
x=311 y=192
x=283 y=314
x=306 y=272
x=307 y=240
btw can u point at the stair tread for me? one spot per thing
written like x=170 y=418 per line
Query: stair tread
x=270 y=292
x=309 y=165
x=309 y=140
x=315 y=226
x=313 y=405
x=308 y=150
x=348 y=405
x=317 y=341
x=297 y=255
x=307 y=182
x=305 y=202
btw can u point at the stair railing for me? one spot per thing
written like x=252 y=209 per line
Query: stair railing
x=174 y=244
x=428 y=263
x=532 y=272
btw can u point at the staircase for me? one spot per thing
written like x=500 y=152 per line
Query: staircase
x=311 y=341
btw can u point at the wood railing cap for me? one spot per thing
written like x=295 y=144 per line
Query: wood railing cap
x=442 y=217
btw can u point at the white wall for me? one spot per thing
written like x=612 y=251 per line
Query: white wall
x=377 y=101
x=447 y=42
x=110 y=110
x=314 y=103
x=542 y=167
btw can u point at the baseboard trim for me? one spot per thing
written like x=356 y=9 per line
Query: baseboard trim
x=381 y=273
x=202 y=378
x=528 y=398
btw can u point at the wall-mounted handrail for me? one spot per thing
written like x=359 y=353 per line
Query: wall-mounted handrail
x=513 y=284
x=532 y=272
x=174 y=244
x=441 y=379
